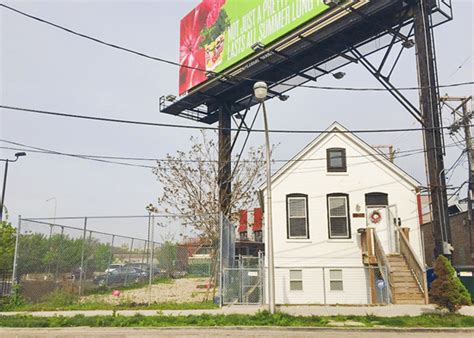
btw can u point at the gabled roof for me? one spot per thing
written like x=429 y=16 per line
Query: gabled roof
x=336 y=127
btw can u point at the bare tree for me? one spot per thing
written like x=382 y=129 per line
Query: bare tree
x=191 y=189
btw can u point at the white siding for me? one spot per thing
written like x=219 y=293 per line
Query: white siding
x=364 y=175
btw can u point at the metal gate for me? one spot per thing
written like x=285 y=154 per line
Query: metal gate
x=242 y=286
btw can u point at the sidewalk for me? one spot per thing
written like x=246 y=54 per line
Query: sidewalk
x=381 y=311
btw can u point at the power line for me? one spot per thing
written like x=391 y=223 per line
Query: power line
x=218 y=74
x=42 y=150
x=84 y=157
x=172 y=125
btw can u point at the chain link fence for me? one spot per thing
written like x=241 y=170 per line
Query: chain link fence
x=70 y=256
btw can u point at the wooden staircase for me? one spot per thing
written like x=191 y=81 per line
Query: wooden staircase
x=405 y=289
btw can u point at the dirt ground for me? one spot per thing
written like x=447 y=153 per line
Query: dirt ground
x=182 y=290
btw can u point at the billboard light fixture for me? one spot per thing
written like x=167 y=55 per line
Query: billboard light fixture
x=408 y=43
x=283 y=97
x=338 y=75
x=260 y=90
x=170 y=98
x=258 y=46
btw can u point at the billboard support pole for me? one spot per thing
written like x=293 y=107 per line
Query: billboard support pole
x=225 y=169
x=429 y=102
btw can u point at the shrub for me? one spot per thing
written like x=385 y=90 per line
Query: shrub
x=447 y=291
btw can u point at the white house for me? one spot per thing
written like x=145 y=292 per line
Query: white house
x=331 y=203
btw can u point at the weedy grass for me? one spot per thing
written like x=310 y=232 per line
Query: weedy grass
x=263 y=318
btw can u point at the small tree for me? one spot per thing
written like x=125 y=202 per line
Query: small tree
x=7 y=245
x=447 y=291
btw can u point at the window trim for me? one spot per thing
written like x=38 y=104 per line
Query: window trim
x=336 y=280
x=330 y=169
x=349 y=234
x=296 y=280
x=288 y=197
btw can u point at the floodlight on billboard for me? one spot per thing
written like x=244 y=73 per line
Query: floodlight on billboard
x=217 y=34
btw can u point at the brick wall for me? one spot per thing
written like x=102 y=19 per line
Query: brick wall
x=462 y=236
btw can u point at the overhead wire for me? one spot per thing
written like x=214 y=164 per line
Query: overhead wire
x=109 y=159
x=218 y=74
x=174 y=125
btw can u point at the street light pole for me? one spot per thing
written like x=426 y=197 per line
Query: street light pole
x=260 y=91
x=2 y=201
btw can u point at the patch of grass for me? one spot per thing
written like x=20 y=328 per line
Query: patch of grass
x=259 y=319
x=93 y=305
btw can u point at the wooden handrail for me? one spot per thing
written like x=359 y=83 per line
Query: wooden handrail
x=383 y=264
x=414 y=264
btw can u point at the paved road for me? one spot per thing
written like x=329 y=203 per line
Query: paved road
x=229 y=332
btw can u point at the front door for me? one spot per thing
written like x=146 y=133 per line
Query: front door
x=378 y=218
x=381 y=216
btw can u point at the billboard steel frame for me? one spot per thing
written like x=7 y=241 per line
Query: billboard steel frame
x=363 y=28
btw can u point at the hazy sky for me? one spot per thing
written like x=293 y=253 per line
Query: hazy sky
x=45 y=68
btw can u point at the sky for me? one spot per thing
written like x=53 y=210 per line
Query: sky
x=45 y=68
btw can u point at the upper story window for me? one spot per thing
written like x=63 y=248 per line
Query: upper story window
x=338 y=216
x=336 y=160
x=376 y=199
x=297 y=216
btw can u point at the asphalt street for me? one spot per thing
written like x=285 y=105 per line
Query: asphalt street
x=228 y=332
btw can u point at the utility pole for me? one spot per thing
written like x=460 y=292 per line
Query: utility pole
x=429 y=102
x=463 y=119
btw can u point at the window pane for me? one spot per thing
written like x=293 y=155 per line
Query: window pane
x=335 y=274
x=297 y=227
x=297 y=207
x=336 y=159
x=376 y=199
x=337 y=206
x=296 y=285
x=296 y=275
x=336 y=286
x=338 y=227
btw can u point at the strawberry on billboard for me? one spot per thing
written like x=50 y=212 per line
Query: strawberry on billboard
x=219 y=33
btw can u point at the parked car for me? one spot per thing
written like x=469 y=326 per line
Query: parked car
x=121 y=275
x=157 y=272
x=113 y=267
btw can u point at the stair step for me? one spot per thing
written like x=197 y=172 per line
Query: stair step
x=400 y=268
x=404 y=284
x=402 y=273
x=410 y=301
x=407 y=291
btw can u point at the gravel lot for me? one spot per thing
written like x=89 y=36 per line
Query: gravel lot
x=180 y=291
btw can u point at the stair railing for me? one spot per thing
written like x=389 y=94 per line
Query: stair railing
x=383 y=264
x=414 y=264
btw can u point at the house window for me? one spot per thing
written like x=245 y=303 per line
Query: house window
x=297 y=213
x=335 y=280
x=336 y=160
x=376 y=199
x=296 y=280
x=338 y=216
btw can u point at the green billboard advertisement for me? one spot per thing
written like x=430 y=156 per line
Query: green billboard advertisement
x=219 y=33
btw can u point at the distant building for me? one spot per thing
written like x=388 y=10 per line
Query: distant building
x=462 y=236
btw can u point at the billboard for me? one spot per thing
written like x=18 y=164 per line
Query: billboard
x=219 y=33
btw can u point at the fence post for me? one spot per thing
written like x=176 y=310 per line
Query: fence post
x=221 y=263
x=81 y=272
x=59 y=254
x=15 y=256
x=129 y=258
x=324 y=286
x=110 y=260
